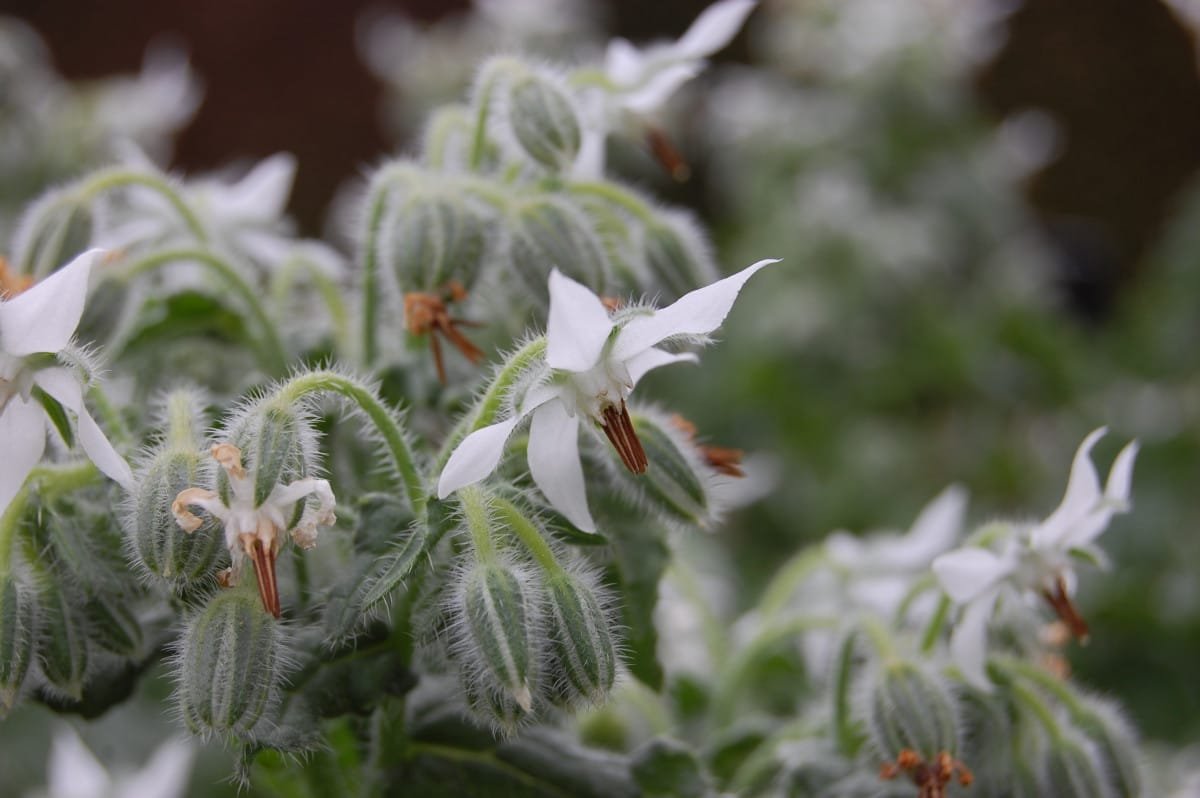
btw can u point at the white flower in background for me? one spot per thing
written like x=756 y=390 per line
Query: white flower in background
x=255 y=529
x=74 y=771
x=595 y=362
x=36 y=325
x=642 y=80
x=1038 y=559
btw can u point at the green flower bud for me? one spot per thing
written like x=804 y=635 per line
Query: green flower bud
x=18 y=627
x=1073 y=767
x=1115 y=741
x=677 y=256
x=276 y=456
x=910 y=709
x=552 y=231
x=431 y=237
x=581 y=646
x=543 y=121
x=154 y=538
x=230 y=664
x=63 y=640
x=676 y=483
x=496 y=640
x=447 y=139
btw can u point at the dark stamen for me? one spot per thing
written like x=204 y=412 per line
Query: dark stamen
x=1066 y=609
x=619 y=429
x=264 y=568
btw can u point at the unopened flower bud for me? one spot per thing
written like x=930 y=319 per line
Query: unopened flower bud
x=276 y=452
x=151 y=529
x=678 y=257
x=18 y=618
x=432 y=236
x=1115 y=741
x=63 y=640
x=230 y=664
x=1073 y=767
x=549 y=232
x=543 y=121
x=496 y=642
x=581 y=644
x=447 y=138
x=675 y=482
x=908 y=708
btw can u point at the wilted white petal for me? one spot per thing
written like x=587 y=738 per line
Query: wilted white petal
x=696 y=313
x=74 y=770
x=1120 y=476
x=164 y=776
x=1083 y=493
x=659 y=88
x=968 y=573
x=554 y=463
x=714 y=28
x=968 y=641
x=43 y=318
x=64 y=387
x=653 y=358
x=476 y=457
x=937 y=527
x=23 y=435
x=578 y=325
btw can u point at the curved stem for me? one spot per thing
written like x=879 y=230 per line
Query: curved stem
x=934 y=630
x=370 y=269
x=529 y=535
x=483 y=100
x=381 y=417
x=617 y=195
x=475 y=511
x=48 y=482
x=274 y=352
x=117 y=177
x=787 y=579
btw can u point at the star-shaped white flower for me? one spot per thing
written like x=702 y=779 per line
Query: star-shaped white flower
x=595 y=361
x=35 y=325
x=256 y=529
x=641 y=80
x=74 y=772
x=1038 y=559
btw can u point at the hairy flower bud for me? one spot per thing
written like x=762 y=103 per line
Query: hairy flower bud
x=1115 y=741
x=1073 y=767
x=582 y=649
x=543 y=121
x=549 y=232
x=432 y=236
x=676 y=254
x=676 y=482
x=908 y=708
x=230 y=664
x=152 y=533
x=18 y=625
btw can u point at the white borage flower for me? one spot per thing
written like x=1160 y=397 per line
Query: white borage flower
x=642 y=80
x=74 y=771
x=35 y=326
x=595 y=361
x=255 y=529
x=1038 y=559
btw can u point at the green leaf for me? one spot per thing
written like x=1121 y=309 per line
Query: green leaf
x=639 y=558
x=668 y=768
x=57 y=415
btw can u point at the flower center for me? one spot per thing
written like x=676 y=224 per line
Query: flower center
x=619 y=429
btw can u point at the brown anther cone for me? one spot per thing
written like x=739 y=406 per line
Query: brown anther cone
x=724 y=460
x=1066 y=610
x=667 y=154
x=264 y=568
x=619 y=429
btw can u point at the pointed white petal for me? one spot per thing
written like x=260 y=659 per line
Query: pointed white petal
x=1120 y=476
x=1083 y=493
x=578 y=325
x=164 y=776
x=652 y=358
x=554 y=463
x=658 y=89
x=22 y=439
x=967 y=573
x=476 y=457
x=61 y=384
x=695 y=313
x=263 y=192
x=714 y=28
x=43 y=318
x=968 y=641
x=623 y=63
x=937 y=527
x=74 y=770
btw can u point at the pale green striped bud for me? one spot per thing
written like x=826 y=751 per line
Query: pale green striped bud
x=63 y=640
x=1116 y=743
x=153 y=534
x=432 y=236
x=543 y=121
x=909 y=708
x=549 y=232
x=447 y=138
x=584 y=657
x=1073 y=767
x=18 y=626
x=230 y=664
x=676 y=483
x=677 y=256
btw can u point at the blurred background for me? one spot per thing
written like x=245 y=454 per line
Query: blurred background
x=988 y=212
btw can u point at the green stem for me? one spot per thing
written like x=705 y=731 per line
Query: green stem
x=327 y=289
x=483 y=110
x=617 y=195
x=380 y=416
x=490 y=403
x=118 y=177
x=181 y=421
x=787 y=579
x=1033 y=702
x=48 y=482
x=934 y=629
x=1045 y=680
x=118 y=431
x=370 y=268
x=529 y=535
x=274 y=353
x=475 y=511
x=848 y=737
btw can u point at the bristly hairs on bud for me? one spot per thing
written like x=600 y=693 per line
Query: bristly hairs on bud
x=552 y=230
x=536 y=120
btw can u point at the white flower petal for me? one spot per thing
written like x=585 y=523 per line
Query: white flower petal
x=554 y=463
x=936 y=528
x=968 y=641
x=714 y=28
x=164 y=776
x=263 y=192
x=659 y=88
x=653 y=358
x=1082 y=495
x=695 y=313
x=623 y=63
x=476 y=457
x=64 y=387
x=74 y=770
x=43 y=318
x=967 y=573
x=1120 y=476
x=578 y=325
x=23 y=433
